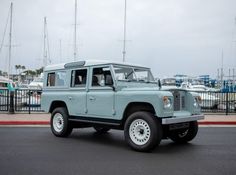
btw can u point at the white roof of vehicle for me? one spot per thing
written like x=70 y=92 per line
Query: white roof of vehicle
x=87 y=63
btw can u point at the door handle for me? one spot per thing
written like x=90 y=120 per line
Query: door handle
x=91 y=98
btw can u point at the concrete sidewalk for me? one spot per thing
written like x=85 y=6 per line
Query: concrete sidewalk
x=44 y=119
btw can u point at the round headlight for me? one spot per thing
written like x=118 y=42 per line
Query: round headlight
x=167 y=102
x=197 y=101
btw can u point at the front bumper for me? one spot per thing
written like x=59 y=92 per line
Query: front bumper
x=173 y=120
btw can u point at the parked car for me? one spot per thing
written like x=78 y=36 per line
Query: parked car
x=107 y=95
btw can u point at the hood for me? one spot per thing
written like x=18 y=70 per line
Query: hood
x=148 y=87
x=141 y=89
x=133 y=86
x=172 y=88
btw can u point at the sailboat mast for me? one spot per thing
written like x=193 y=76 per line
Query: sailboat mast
x=44 y=43
x=222 y=69
x=124 y=41
x=235 y=54
x=75 y=32
x=10 y=40
x=60 y=51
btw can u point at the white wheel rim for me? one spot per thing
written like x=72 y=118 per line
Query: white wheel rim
x=183 y=134
x=139 y=132
x=58 y=122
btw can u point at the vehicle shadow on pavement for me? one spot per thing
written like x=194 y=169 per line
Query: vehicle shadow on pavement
x=169 y=147
x=115 y=139
x=111 y=138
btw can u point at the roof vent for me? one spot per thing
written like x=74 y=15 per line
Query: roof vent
x=75 y=64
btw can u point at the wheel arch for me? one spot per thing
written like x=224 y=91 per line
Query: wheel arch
x=135 y=107
x=56 y=104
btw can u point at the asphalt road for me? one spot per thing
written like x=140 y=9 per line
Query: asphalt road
x=36 y=151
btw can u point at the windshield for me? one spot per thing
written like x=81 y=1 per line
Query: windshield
x=127 y=73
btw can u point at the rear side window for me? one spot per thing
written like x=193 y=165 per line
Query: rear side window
x=51 y=79
x=79 y=78
x=56 y=78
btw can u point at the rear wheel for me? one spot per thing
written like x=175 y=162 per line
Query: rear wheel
x=186 y=135
x=142 y=131
x=60 y=124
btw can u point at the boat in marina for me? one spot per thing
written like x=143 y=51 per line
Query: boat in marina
x=208 y=95
x=37 y=83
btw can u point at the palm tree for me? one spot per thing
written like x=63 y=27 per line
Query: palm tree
x=39 y=71
x=17 y=67
x=23 y=67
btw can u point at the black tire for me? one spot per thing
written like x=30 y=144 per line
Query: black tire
x=143 y=132
x=101 y=129
x=186 y=135
x=60 y=125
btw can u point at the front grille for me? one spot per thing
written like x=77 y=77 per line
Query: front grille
x=179 y=100
x=176 y=95
x=183 y=102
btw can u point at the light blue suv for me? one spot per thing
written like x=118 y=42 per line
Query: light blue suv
x=107 y=95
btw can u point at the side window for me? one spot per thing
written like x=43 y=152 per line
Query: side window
x=79 y=78
x=61 y=78
x=102 y=77
x=56 y=79
x=51 y=79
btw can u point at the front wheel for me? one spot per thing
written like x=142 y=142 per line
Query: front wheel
x=60 y=125
x=186 y=135
x=142 y=131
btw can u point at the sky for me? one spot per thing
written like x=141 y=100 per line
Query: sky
x=169 y=36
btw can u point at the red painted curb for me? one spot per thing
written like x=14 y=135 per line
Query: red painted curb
x=24 y=122
x=217 y=123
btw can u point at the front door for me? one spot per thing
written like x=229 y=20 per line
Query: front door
x=100 y=97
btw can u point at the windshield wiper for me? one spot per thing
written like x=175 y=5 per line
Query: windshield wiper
x=129 y=74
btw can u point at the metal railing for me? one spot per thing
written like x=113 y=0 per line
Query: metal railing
x=24 y=100
x=4 y=99
x=29 y=100
x=218 y=102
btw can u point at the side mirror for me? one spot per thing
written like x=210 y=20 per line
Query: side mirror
x=159 y=83
x=113 y=88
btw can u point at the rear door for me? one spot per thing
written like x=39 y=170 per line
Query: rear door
x=77 y=95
